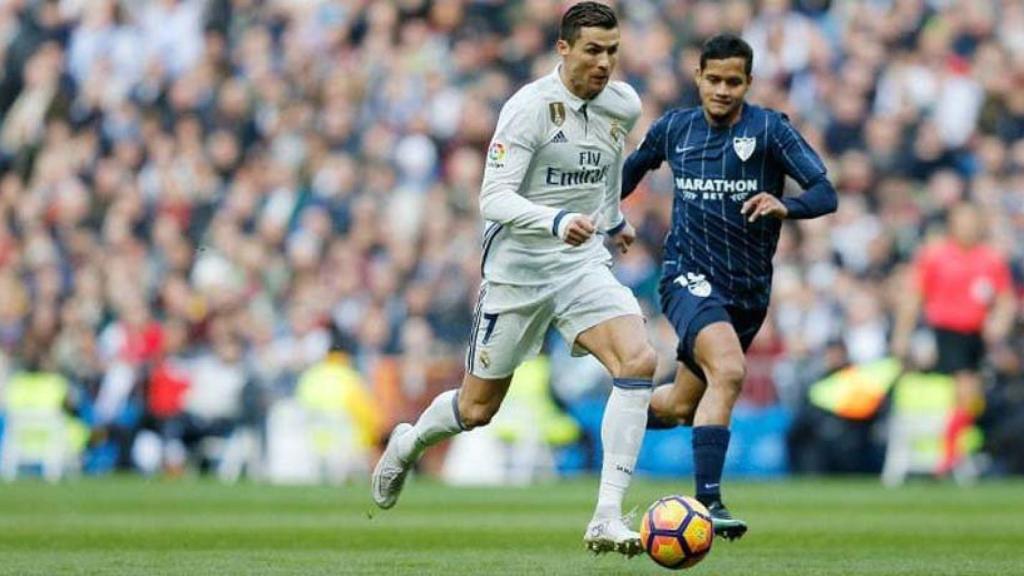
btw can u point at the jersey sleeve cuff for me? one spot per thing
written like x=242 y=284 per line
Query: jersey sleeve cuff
x=555 y=230
x=617 y=228
x=794 y=210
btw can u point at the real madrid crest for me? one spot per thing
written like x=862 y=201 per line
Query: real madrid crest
x=616 y=131
x=557 y=110
x=744 y=146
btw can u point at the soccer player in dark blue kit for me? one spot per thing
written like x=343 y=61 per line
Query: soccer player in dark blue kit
x=729 y=160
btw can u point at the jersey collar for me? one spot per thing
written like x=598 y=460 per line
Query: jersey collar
x=739 y=119
x=572 y=100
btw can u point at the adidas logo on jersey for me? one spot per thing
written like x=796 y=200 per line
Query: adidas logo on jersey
x=559 y=138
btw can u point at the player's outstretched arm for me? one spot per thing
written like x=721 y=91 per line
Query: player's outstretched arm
x=907 y=312
x=515 y=141
x=505 y=205
x=802 y=164
x=648 y=156
x=818 y=199
x=1004 y=310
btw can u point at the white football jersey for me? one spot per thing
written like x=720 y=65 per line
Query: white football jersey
x=553 y=153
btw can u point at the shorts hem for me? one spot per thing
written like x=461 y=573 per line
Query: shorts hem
x=688 y=341
x=475 y=374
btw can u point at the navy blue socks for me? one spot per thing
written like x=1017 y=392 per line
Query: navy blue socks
x=709 y=446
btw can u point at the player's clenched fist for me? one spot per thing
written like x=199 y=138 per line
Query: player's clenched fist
x=575 y=229
x=764 y=204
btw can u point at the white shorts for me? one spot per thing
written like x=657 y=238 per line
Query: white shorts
x=511 y=321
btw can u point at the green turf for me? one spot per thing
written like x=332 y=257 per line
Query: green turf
x=845 y=527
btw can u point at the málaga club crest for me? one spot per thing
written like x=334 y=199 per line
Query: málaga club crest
x=744 y=146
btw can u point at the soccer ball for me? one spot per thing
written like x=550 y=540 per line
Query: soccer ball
x=676 y=532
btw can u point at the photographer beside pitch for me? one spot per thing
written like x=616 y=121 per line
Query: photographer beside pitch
x=729 y=160
x=552 y=181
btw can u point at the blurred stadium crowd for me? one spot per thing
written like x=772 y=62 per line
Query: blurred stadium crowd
x=199 y=200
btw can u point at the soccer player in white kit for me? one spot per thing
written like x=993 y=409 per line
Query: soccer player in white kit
x=550 y=196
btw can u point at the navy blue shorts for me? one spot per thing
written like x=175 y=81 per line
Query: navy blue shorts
x=692 y=307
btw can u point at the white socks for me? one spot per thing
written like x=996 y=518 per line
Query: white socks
x=622 y=433
x=439 y=421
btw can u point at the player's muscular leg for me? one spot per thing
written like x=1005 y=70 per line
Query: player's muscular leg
x=621 y=345
x=450 y=413
x=720 y=355
x=479 y=399
x=678 y=402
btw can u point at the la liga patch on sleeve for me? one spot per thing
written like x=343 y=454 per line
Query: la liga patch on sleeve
x=496 y=155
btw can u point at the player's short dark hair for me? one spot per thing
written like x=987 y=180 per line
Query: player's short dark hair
x=586 y=15
x=725 y=46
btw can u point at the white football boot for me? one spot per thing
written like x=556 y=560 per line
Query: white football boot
x=389 y=474
x=612 y=535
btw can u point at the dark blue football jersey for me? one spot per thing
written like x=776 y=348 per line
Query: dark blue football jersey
x=715 y=170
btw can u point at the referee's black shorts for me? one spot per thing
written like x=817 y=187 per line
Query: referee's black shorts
x=958 y=351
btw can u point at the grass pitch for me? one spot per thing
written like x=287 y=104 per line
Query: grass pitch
x=799 y=527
